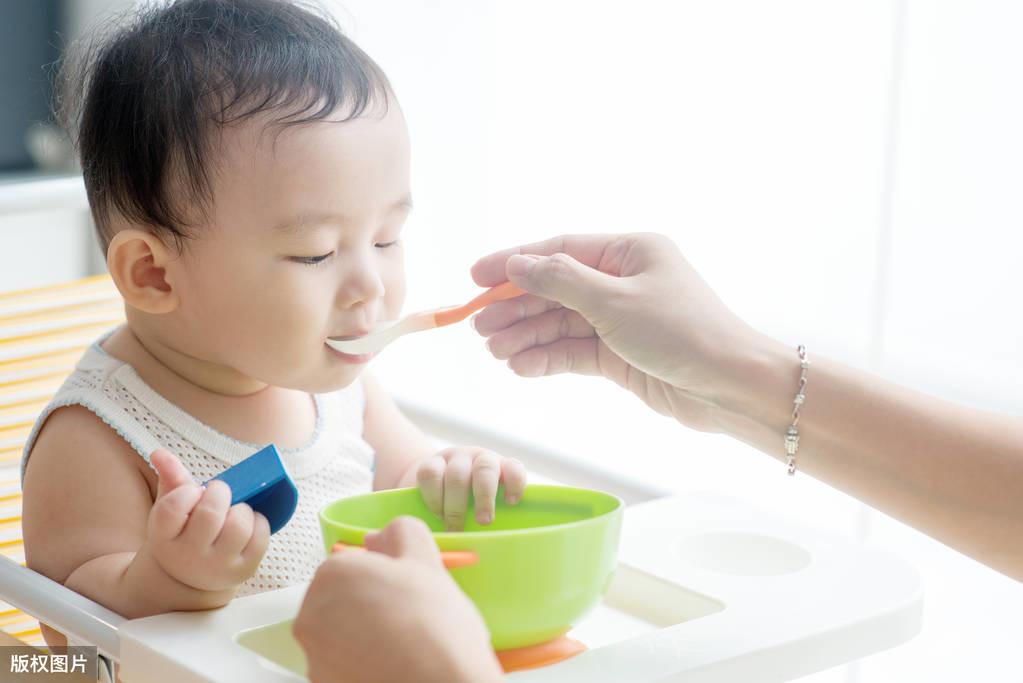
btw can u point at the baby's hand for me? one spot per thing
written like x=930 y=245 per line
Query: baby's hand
x=197 y=536
x=445 y=478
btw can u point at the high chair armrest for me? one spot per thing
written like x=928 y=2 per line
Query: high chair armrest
x=65 y=610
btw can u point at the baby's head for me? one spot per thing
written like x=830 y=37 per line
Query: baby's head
x=247 y=168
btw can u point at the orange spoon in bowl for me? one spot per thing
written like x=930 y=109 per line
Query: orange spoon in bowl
x=384 y=333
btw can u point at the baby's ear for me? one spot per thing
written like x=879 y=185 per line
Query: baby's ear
x=137 y=261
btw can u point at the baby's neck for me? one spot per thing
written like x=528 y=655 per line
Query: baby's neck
x=265 y=414
x=211 y=377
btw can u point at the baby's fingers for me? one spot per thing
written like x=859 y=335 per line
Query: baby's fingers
x=254 y=550
x=170 y=513
x=237 y=530
x=486 y=473
x=208 y=517
x=171 y=472
x=430 y=478
x=513 y=475
x=456 y=490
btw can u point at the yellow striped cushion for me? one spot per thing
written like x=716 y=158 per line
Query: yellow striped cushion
x=43 y=332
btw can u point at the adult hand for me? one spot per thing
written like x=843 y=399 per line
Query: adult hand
x=628 y=307
x=392 y=615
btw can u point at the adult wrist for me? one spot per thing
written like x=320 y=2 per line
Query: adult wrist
x=755 y=396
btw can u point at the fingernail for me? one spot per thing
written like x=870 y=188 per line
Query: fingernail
x=520 y=264
x=512 y=500
x=484 y=518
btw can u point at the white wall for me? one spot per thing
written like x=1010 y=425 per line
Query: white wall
x=39 y=248
x=954 y=323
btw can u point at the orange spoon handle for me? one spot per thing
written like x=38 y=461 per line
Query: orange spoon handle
x=446 y=316
x=452 y=559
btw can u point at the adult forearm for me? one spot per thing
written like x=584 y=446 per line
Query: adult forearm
x=954 y=473
x=134 y=585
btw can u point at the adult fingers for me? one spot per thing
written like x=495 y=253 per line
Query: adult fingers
x=588 y=249
x=501 y=314
x=406 y=537
x=539 y=330
x=563 y=279
x=580 y=356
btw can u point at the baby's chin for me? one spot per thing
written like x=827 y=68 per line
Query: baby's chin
x=327 y=382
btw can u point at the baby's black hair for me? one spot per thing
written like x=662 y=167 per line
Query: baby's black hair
x=143 y=103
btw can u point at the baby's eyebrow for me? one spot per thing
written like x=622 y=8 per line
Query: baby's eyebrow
x=306 y=222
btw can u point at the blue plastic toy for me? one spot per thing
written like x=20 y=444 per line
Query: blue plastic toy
x=261 y=481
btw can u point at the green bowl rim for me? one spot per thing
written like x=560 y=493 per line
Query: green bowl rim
x=446 y=535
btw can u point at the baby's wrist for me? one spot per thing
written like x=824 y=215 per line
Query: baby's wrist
x=147 y=566
x=151 y=571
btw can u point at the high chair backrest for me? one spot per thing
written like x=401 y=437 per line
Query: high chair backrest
x=43 y=332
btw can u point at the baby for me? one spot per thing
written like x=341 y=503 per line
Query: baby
x=247 y=169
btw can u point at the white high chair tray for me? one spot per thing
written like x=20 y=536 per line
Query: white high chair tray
x=709 y=589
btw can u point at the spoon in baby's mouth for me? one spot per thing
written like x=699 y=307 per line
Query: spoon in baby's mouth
x=383 y=333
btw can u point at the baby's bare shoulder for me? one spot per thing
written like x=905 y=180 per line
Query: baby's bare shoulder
x=84 y=494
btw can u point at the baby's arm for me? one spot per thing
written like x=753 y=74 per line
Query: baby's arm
x=86 y=521
x=400 y=446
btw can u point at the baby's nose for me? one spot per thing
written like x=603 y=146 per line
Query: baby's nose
x=360 y=285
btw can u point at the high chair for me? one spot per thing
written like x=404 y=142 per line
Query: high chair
x=43 y=332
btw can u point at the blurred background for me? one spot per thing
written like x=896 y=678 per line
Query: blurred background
x=847 y=174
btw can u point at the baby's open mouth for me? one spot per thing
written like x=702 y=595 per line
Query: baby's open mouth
x=349 y=337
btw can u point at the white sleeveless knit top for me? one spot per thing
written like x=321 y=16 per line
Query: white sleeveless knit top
x=336 y=462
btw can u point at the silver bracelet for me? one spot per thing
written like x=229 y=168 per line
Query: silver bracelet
x=792 y=436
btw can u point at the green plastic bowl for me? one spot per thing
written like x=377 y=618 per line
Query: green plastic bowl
x=542 y=564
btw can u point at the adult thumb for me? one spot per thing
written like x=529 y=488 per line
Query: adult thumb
x=170 y=470
x=406 y=537
x=560 y=278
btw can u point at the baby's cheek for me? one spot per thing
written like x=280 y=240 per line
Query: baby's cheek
x=394 y=297
x=298 y=315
